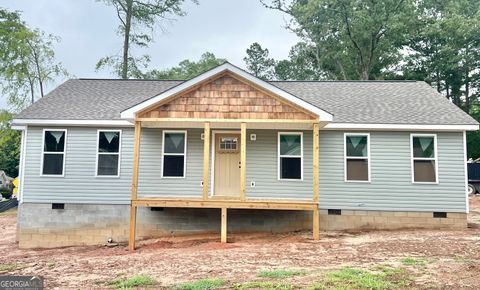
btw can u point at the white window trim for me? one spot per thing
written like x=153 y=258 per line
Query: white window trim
x=296 y=156
x=43 y=152
x=175 y=154
x=119 y=153
x=435 y=158
x=345 y=157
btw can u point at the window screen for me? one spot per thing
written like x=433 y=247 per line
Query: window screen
x=290 y=156
x=424 y=158
x=53 y=152
x=174 y=148
x=108 y=154
x=356 y=158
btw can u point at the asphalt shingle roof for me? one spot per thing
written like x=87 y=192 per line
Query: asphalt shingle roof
x=376 y=102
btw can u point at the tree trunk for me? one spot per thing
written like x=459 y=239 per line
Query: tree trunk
x=467 y=92
x=126 y=39
x=39 y=75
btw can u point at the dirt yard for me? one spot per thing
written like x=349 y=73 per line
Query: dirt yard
x=408 y=259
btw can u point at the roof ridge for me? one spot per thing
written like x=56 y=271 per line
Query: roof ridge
x=111 y=79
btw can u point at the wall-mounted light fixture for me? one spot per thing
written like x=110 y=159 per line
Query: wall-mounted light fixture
x=253 y=137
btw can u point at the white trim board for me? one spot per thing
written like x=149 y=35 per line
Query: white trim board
x=399 y=127
x=17 y=123
x=226 y=67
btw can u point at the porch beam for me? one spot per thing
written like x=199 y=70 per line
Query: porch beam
x=203 y=120
x=133 y=209
x=206 y=159
x=223 y=231
x=243 y=160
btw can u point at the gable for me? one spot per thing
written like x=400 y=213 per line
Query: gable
x=226 y=97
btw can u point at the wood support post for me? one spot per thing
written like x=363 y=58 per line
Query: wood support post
x=206 y=159
x=224 y=225
x=243 y=161
x=316 y=176
x=133 y=208
x=316 y=225
x=316 y=152
x=133 y=225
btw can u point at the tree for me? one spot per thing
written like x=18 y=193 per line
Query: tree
x=445 y=49
x=137 y=21
x=302 y=64
x=9 y=145
x=27 y=60
x=351 y=39
x=258 y=62
x=186 y=69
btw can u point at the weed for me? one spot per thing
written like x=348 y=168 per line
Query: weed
x=279 y=273
x=140 y=280
x=203 y=284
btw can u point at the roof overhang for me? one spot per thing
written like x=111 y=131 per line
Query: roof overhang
x=19 y=124
x=399 y=127
x=226 y=67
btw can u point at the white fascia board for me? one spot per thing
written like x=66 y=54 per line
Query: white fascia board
x=18 y=127
x=399 y=127
x=130 y=113
x=17 y=123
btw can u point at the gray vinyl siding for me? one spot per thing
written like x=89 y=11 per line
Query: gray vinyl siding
x=262 y=168
x=391 y=187
x=79 y=185
x=150 y=181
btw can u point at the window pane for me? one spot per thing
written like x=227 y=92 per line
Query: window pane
x=357 y=169
x=173 y=166
x=109 y=142
x=53 y=164
x=290 y=168
x=423 y=147
x=107 y=164
x=174 y=143
x=290 y=145
x=424 y=170
x=357 y=146
x=54 y=141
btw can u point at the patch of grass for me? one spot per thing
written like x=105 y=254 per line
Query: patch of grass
x=11 y=267
x=352 y=278
x=279 y=273
x=264 y=285
x=140 y=280
x=51 y=265
x=462 y=259
x=203 y=284
x=409 y=261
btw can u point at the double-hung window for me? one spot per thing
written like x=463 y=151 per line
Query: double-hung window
x=53 y=152
x=424 y=158
x=357 y=157
x=290 y=156
x=174 y=153
x=108 y=153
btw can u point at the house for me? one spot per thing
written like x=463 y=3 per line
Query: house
x=128 y=159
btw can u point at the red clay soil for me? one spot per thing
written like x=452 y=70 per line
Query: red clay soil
x=454 y=257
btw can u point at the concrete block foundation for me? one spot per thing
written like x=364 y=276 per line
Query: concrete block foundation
x=40 y=226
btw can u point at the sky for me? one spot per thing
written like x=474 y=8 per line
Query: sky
x=87 y=31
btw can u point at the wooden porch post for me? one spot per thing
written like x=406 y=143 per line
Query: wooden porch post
x=133 y=207
x=223 y=230
x=243 y=160
x=206 y=158
x=315 y=175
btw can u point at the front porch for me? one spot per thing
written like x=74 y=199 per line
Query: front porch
x=208 y=197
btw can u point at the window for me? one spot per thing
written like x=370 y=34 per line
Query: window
x=424 y=158
x=174 y=153
x=108 y=153
x=357 y=155
x=290 y=156
x=53 y=152
x=228 y=145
